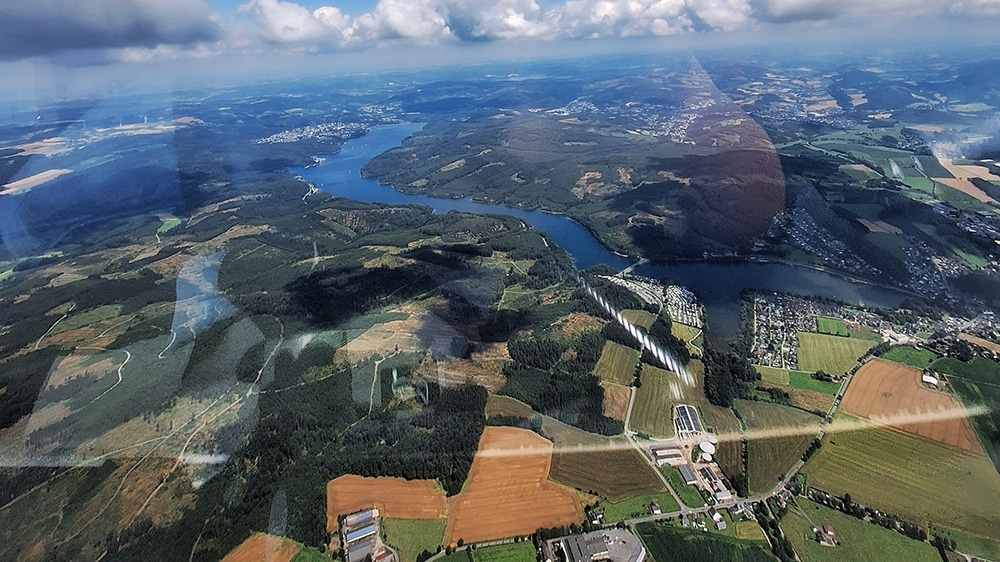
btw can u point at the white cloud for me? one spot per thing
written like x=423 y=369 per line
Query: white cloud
x=474 y=20
x=723 y=15
x=416 y=20
x=284 y=22
x=987 y=8
x=158 y=29
x=332 y=17
x=608 y=18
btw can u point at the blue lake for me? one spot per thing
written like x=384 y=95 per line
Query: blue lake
x=718 y=285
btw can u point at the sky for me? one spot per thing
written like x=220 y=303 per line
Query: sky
x=60 y=37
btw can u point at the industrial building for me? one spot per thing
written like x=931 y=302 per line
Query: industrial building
x=667 y=456
x=686 y=422
x=687 y=473
x=614 y=545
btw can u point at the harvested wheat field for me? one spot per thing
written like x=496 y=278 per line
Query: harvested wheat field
x=508 y=492
x=264 y=548
x=987 y=344
x=394 y=497
x=616 y=399
x=882 y=389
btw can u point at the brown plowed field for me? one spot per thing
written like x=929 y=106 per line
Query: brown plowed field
x=882 y=388
x=616 y=399
x=606 y=466
x=394 y=497
x=263 y=548
x=992 y=346
x=508 y=492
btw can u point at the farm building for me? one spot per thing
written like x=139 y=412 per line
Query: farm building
x=360 y=518
x=360 y=551
x=667 y=456
x=720 y=525
x=361 y=533
x=360 y=537
x=686 y=422
x=687 y=473
x=597 y=515
x=929 y=380
x=826 y=536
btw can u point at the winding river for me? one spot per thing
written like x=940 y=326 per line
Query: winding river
x=718 y=285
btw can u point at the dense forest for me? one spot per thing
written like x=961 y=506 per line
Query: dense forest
x=556 y=378
x=728 y=376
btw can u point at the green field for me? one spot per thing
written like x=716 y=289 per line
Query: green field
x=690 y=335
x=831 y=354
x=670 y=544
x=617 y=363
x=805 y=381
x=749 y=531
x=859 y=541
x=770 y=458
x=517 y=552
x=168 y=225
x=968 y=544
x=796 y=379
x=907 y=355
x=637 y=507
x=651 y=413
x=977 y=383
x=410 y=537
x=913 y=478
x=978 y=369
x=831 y=326
x=86 y=318
x=311 y=554
x=773 y=375
x=689 y=495
x=641 y=318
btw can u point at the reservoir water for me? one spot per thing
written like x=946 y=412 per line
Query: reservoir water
x=718 y=285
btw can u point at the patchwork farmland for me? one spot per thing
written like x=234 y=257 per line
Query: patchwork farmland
x=769 y=458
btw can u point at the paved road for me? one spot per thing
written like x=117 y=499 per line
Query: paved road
x=631 y=439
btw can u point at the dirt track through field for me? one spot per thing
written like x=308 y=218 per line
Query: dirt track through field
x=882 y=388
x=508 y=492
x=394 y=497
